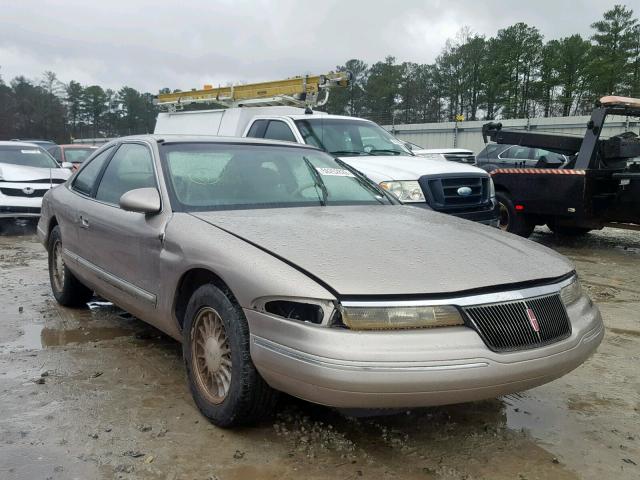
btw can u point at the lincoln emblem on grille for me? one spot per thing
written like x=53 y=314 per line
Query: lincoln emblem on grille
x=28 y=190
x=533 y=320
x=464 y=191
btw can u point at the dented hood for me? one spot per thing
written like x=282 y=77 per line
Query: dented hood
x=392 y=250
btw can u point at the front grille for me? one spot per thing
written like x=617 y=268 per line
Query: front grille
x=461 y=158
x=18 y=192
x=444 y=193
x=506 y=326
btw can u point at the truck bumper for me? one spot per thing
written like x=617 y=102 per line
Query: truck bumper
x=413 y=368
x=487 y=215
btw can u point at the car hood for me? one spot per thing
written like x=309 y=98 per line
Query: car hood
x=386 y=168
x=443 y=150
x=392 y=250
x=19 y=173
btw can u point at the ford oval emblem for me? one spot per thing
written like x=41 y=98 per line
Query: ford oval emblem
x=28 y=191
x=464 y=191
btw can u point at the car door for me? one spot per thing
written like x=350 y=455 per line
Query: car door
x=71 y=217
x=126 y=245
x=515 y=156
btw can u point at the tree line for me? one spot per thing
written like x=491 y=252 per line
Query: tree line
x=515 y=74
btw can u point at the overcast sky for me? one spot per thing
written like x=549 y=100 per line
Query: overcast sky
x=153 y=44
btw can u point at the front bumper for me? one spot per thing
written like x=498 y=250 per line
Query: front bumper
x=412 y=368
x=14 y=206
x=487 y=215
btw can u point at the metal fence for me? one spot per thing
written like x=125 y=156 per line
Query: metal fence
x=469 y=134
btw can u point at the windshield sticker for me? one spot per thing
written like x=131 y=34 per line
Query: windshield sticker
x=334 y=172
x=30 y=151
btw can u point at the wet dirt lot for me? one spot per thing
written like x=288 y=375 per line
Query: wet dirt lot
x=97 y=394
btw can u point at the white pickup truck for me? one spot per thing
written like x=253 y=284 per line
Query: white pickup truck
x=433 y=182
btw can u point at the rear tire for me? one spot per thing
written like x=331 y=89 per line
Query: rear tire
x=510 y=220
x=568 y=231
x=66 y=288
x=224 y=382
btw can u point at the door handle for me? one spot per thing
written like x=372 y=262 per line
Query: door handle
x=84 y=223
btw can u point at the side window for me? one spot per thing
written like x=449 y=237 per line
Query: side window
x=277 y=130
x=86 y=179
x=257 y=129
x=491 y=150
x=131 y=167
x=517 y=152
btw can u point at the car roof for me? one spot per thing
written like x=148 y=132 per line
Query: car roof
x=323 y=115
x=173 y=138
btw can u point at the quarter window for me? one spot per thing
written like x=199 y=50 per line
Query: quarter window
x=130 y=168
x=257 y=129
x=277 y=130
x=86 y=179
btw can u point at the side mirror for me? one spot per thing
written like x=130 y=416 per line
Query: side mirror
x=68 y=165
x=141 y=200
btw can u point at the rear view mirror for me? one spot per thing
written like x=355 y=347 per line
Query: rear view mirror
x=141 y=200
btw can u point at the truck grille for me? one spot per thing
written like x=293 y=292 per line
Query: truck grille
x=444 y=193
x=18 y=192
x=506 y=326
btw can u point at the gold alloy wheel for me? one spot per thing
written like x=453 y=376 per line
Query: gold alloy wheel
x=58 y=266
x=211 y=355
x=504 y=217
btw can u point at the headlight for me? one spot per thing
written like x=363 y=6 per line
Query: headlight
x=492 y=188
x=387 y=318
x=406 y=190
x=571 y=293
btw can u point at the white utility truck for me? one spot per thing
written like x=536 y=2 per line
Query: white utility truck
x=281 y=110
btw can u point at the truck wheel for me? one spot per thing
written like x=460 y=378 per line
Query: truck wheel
x=510 y=220
x=224 y=382
x=66 y=288
x=568 y=231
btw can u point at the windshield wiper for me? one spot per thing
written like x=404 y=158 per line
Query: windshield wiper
x=347 y=152
x=317 y=180
x=384 y=150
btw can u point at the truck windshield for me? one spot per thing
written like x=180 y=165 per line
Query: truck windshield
x=349 y=137
x=214 y=176
x=28 y=156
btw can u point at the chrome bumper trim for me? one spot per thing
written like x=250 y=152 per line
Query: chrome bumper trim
x=470 y=300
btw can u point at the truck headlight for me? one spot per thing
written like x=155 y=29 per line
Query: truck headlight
x=492 y=188
x=408 y=191
x=391 y=318
x=571 y=293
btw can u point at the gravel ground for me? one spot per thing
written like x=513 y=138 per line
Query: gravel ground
x=98 y=394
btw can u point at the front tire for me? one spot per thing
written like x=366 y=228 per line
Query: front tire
x=224 y=382
x=510 y=220
x=67 y=289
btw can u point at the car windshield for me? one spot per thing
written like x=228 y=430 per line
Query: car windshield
x=77 y=155
x=29 y=156
x=214 y=176
x=346 y=137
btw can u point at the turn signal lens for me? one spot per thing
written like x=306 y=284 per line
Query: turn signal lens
x=390 y=318
x=571 y=293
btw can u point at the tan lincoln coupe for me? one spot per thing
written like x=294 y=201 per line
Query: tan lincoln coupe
x=280 y=268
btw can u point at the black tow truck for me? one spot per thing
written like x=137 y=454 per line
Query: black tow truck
x=598 y=186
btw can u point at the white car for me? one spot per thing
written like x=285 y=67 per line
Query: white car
x=27 y=172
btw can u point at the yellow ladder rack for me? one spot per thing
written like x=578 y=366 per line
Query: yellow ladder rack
x=296 y=91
